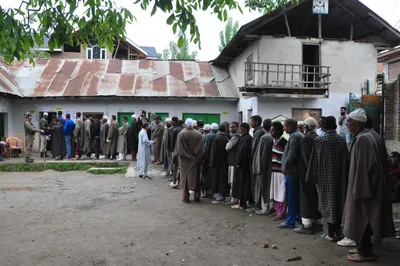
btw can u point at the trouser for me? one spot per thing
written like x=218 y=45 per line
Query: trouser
x=143 y=170
x=68 y=146
x=334 y=230
x=365 y=246
x=43 y=143
x=176 y=169
x=264 y=205
x=133 y=154
x=291 y=195
x=307 y=223
x=169 y=162
x=280 y=208
x=122 y=156
x=28 y=146
x=94 y=147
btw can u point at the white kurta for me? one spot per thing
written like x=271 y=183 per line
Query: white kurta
x=277 y=189
x=144 y=155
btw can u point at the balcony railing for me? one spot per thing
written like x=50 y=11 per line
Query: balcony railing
x=308 y=79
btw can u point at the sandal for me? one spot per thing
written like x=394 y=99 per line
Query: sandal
x=278 y=218
x=353 y=251
x=359 y=258
x=328 y=238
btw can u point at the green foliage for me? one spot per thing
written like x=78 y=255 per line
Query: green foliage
x=231 y=28
x=179 y=51
x=112 y=171
x=59 y=167
x=266 y=6
x=39 y=54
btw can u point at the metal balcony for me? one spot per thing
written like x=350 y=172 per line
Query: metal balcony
x=287 y=79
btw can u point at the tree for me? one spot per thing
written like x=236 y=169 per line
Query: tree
x=102 y=21
x=173 y=52
x=266 y=6
x=231 y=28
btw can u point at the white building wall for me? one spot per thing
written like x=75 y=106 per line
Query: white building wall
x=226 y=109
x=6 y=108
x=351 y=65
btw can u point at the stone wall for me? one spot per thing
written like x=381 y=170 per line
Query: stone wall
x=392 y=116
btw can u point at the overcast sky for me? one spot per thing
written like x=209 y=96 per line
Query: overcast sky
x=153 y=31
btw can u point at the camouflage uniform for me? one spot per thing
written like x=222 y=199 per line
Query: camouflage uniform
x=30 y=132
x=43 y=141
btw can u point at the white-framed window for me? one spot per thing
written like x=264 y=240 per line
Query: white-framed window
x=96 y=53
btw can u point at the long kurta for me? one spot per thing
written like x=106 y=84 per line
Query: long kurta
x=261 y=167
x=86 y=135
x=189 y=148
x=278 y=190
x=113 y=138
x=58 y=142
x=328 y=169
x=157 y=136
x=219 y=165
x=103 y=138
x=241 y=187
x=164 y=149
x=144 y=154
x=308 y=191
x=208 y=141
x=132 y=137
x=122 y=146
x=368 y=196
x=79 y=134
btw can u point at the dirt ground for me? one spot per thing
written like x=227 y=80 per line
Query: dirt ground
x=75 y=218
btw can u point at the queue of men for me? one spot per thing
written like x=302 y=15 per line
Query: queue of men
x=297 y=181
x=90 y=137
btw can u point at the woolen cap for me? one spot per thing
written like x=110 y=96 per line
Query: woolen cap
x=27 y=115
x=358 y=115
x=189 y=122
x=207 y=127
x=310 y=121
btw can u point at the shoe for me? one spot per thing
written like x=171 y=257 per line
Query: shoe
x=346 y=242
x=250 y=210
x=141 y=176
x=206 y=196
x=261 y=212
x=29 y=160
x=218 y=201
x=185 y=200
x=284 y=225
x=237 y=207
x=305 y=231
x=234 y=201
x=148 y=177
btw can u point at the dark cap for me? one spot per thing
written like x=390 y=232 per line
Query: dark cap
x=28 y=114
x=395 y=154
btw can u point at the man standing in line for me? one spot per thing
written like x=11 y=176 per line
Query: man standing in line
x=219 y=166
x=344 y=131
x=291 y=160
x=132 y=137
x=241 y=187
x=95 y=141
x=144 y=155
x=328 y=169
x=310 y=216
x=261 y=167
x=231 y=148
x=87 y=135
x=57 y=137
x=206 y=184
x=170 y=148
x=43 y=125
x=156 y=137
x=69 y=128
x=122 y=142
x=200 y=125
x=79 y=134
x=189 y=150
x=368 y=208
x=176 y=162
x=164 y=147
x=103 y=137
x=30 y=132
x=61 y=118
x=112 y=138
x=258 y=132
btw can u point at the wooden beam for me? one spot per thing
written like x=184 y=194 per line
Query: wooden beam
x=287 y=25
x=320 y=27
x=351 y=31
x=384 y=23
x=251 y=36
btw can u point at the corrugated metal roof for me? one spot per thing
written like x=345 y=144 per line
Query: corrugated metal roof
x=139 y=78
x=7 y=82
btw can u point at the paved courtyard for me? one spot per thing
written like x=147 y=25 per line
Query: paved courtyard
x=75 y=218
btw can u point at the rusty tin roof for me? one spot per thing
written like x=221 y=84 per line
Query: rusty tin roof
x=126 y=78
x=7 y=81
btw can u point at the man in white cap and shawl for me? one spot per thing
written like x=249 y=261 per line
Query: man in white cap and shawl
x=189 y=150
x=208 y=140
x=310 y=216
x=43 y=125
x=368 y=208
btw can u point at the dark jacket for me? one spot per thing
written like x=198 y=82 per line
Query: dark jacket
x=291 y=158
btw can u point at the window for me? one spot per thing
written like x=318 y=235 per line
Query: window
x=250 y=68
x=301 y=114
x=96 y=52
x=76 y=48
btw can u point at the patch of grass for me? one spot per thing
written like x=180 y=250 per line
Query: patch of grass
x=59 y=167
x=121 y=170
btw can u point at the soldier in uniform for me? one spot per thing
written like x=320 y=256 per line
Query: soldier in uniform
x=30 y=132
x=43 y=125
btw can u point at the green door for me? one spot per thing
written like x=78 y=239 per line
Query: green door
x=162 y=115
x=207 y=118
x=128 y=115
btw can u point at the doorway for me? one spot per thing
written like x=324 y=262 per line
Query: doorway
x=127 y=115
x=2 y=125
x=311 y=62
x=95 y=115
x=206 y=118
x=50 y=117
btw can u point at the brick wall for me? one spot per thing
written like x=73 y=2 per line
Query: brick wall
x=392 y=115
